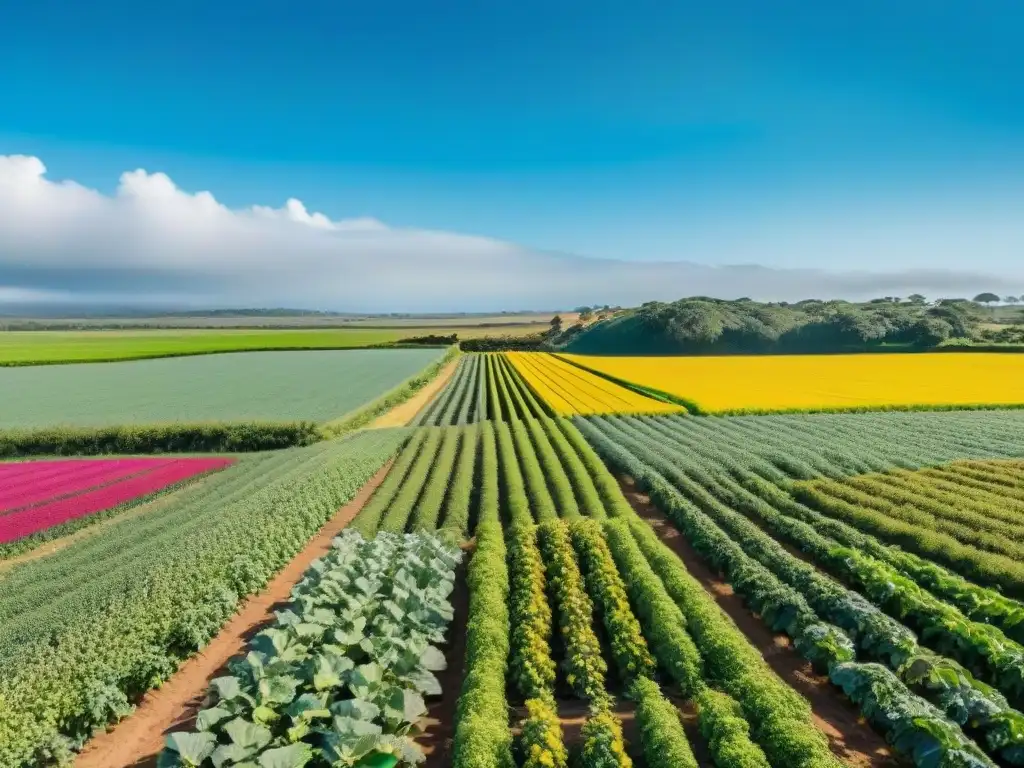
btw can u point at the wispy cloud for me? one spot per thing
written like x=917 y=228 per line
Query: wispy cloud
x=152 y=241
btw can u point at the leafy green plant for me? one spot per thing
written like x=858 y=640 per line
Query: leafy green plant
x=584 y=666
x=482 y=736
x=340 y=679
x=531 y=667
x=603 y=745
x=728 y=735
x=661 y=733
x=606 y=588
x=541 y=740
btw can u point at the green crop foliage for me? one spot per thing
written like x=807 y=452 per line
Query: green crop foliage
x=727 y=733
x=663 y=623
x=340 y=675
x=237 y=388
x=482 y=736
x=517 y=505
x=91 y=627
x=588 y=499
x=428 y=507
x=584 y=666
x=607 y=590
x=401 y=506
x=541 y=741
x=603 y=745
x=369 y=517
x=552 y=469
x=661 y=733
x=541 y=504
x=531 y=667
x=774 y=583
x=460 y=490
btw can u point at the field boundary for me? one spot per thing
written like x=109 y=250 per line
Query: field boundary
x=188 y=437
x=202 y=352
x=137 y=740
x=655 y=394
x=394 y=397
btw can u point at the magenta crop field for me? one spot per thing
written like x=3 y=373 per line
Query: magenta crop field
x=38 y=495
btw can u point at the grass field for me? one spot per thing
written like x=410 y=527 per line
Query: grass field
x=824 y=382
x=40 y=347
x=285 y=386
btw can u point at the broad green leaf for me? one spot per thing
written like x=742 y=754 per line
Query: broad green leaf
x=292 y=756
x=247 y=735
x=192 y=748
x=207 y=719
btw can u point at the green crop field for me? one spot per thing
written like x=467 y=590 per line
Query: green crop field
x=28 y=347
x=19 y=348
x=316 y=386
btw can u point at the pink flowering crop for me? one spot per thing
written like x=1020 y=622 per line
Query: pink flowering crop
x=97 y=490
x=43 y=481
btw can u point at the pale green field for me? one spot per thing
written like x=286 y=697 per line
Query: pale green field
x=248 y=386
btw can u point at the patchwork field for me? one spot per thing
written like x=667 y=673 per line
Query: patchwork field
x=315 y=386
x=732 y=384
x=634 y=590
x=571 y=391
x=41 y=500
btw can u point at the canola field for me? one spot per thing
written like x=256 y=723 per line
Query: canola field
x=572 y=391
x=824 y=382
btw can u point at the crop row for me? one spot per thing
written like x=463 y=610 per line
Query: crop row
x=585 y=570
x=774 y=583
x=757 y=474
x=984 y=649
x=569 y=390
x=463 y=400
x=429 y=487
x=342 y=675
x=88 y=629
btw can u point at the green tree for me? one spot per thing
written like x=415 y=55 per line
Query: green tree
x=986 y=298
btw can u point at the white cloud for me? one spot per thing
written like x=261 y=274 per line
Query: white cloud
x=152 y=239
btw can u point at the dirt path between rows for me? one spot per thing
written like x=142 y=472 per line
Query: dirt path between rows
x=850 y=737
x=403 y=413
x=438 y=738
x=137 y=740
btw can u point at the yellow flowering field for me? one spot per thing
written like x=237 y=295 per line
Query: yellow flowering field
x=571 y=391
x=825 y=382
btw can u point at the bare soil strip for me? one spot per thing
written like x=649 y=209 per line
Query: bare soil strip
x=850 y=737
x=403 y=413
x=137 y=740
x=438 y=737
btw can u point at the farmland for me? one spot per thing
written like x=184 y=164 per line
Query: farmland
x=314 y=386
x=736 y=384
x=47 y=499
x=636 y=586
x=133 y=343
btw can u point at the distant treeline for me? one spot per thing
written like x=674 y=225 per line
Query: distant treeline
x=213 y=437
x=702 y=325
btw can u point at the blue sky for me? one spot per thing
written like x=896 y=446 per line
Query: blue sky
x=719 y=133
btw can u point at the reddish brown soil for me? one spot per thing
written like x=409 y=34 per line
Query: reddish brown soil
x=439 y=734
x=851 y=739
x=137 y=740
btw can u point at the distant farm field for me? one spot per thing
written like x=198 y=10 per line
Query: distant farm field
x=824 y=382
x=315 y=386
x=21 y=347
x=39 y=347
